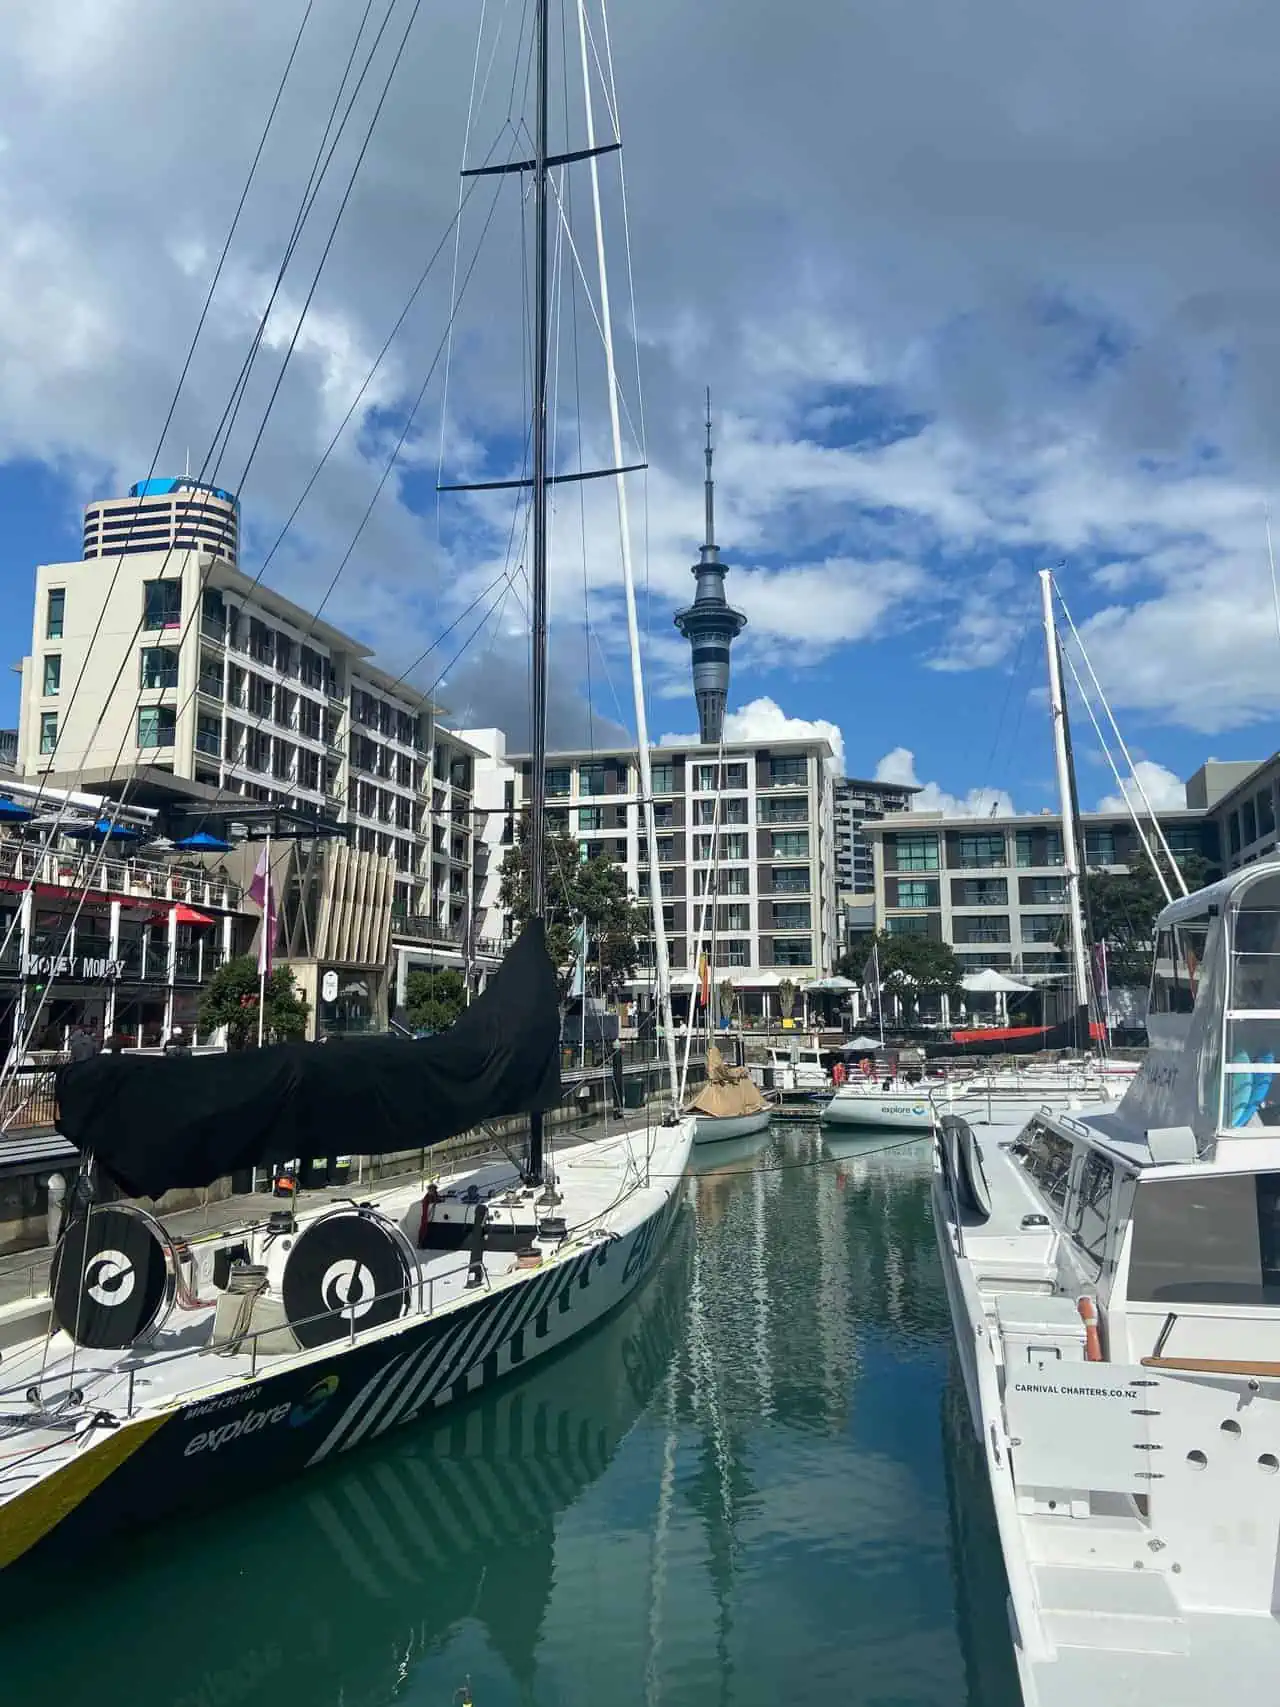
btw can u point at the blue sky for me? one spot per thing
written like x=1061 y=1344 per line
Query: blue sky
x=1000 y=296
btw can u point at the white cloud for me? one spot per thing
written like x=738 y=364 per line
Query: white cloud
x=1085 y=337
x=900 y=766
x=1163 y=789
x=764 y=720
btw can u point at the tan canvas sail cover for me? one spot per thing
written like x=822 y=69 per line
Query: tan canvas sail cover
x=728 y=1090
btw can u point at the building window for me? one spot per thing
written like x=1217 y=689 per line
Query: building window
x=734 y=846
x=55 y=610
x=917 y=892
x=730 y=811
x=663 y=778
x=161 y=604
x=733 y=880
x=664 y=815
x=793 y=951
x=1042 y=927
x=48 y=731
x=1038 y=847
x=208 y=734
x=1233 y=833
x=792 y=915
x=736 y=916
x=788 y=773
x=788 y=810
x=156 y=726
x=973 y=927
x=1248 y=823
x=666 y=850
x=52 y=673
x=1100 y=847
x=979 y=892
x=559 y=781
x=981 y=851
x=733 y=951
x=704 y=779
x=735 y=776
x=790 y=844
x=907 y=925
x=558 y=820
x=1266 y=813
x=915 y=852
x=1042 y=891
x=790 y=880
x=591 y=817
x=593 y=778
x=159 y=667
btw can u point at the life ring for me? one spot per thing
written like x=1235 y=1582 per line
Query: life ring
x=1088 y=1308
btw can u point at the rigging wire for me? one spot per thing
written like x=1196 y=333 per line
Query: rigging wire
x=1176 y=869
x=119 y=805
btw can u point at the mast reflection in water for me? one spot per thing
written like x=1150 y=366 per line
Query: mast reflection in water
x=732 y=1492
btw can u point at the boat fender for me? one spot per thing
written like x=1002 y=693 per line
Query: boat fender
x=1088 y=1308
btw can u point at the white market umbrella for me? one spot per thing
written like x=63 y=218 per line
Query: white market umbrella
x=989 y=982
x=863 y=1044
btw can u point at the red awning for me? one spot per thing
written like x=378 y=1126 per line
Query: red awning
x=185 y=916
x=1006 y=1033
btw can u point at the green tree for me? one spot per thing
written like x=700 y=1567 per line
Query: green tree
x=1123 y=908
x=231 y=1000
x=929 y=964
x=434 y=1000
x=594 y=890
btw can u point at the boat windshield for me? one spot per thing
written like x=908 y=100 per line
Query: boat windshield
x=1250 y=1086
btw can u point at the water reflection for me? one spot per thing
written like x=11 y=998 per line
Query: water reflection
x=734 y=1492
x=335 y=1588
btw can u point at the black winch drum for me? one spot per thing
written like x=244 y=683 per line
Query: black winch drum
x=112 y=1280
x=348 y=1263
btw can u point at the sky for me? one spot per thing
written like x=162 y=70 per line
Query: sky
x=977 y=291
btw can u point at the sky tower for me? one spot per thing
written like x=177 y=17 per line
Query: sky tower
x=709 y=624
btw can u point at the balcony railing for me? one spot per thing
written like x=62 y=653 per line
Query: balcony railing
x=123 y=877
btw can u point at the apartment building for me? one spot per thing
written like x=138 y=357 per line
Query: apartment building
x=764 y=814
x=175 y=660
x=994 y=887
x=164 y=514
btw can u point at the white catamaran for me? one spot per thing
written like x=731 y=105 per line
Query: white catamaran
x=1113 y=1273
x=153 y=1378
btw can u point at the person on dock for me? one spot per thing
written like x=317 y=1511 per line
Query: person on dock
x=177 y=1043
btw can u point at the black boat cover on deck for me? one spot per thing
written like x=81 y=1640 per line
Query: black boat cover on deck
x=154 y=1124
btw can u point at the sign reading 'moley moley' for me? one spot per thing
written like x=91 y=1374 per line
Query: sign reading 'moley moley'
x=80 y=968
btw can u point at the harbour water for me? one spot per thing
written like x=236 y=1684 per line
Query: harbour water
x=750 y=1487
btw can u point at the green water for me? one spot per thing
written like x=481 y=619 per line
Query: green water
x=749 y=1487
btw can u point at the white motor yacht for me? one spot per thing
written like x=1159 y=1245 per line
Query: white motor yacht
x=1114 y=1281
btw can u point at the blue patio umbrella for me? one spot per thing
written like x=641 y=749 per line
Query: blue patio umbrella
x=203 y=842
x=12 y=813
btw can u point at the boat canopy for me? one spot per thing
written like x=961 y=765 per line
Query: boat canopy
x=153 y=1124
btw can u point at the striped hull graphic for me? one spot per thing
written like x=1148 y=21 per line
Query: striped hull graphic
x=215 y=1449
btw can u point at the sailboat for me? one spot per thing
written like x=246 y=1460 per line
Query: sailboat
x=727 y=1104
x=153 y=1377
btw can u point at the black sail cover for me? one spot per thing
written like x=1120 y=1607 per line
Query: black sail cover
x=153 y=1124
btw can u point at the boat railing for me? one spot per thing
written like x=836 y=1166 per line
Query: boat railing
x=424 y=1306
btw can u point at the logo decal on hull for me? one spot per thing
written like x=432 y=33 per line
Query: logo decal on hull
x=312 y=1403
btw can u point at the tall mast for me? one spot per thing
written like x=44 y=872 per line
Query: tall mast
x=538 y=685
x=1066 y=798
x=662 y=964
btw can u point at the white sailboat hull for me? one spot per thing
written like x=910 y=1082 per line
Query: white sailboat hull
x=715 y=1128
x=168 y=1427
x=896 y=1111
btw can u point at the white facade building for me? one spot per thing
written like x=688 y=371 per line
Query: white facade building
x=776 y=854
